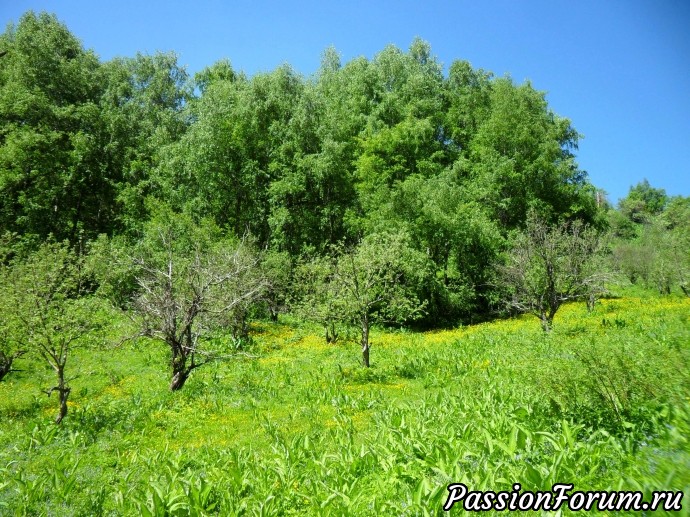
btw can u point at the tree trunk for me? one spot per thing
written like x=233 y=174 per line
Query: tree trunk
x=546 y=322
x=365 y=341
x=180 y=371
x=178 y=379
x=5 y=364
x=63 y=393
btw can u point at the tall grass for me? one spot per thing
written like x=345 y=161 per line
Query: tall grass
x=602 y=402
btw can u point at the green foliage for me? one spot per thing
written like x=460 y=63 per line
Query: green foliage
x=300 y=164
x=12 y=342
x=80 y=137
x=521 y=159
x=46 y=312
x=378 y=278
x=382 y=192
x=620 y=226
x=643 y=201
x=50 y=170
x=372 y=283
x=108 y=265
x=676 y=219
x=143 y=110
x=657 y=256
x=304 y=431
x=634 y=260
x=458 y=236
x=618 y=385
x=310 y=296
x=277 y=268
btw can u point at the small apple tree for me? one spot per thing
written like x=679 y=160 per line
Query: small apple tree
x=50 y=312
x=374 y=283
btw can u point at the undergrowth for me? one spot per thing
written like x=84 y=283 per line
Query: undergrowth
x=295 y=426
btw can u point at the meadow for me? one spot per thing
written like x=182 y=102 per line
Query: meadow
x=295 y=426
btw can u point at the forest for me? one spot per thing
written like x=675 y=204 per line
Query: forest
x=324 y=295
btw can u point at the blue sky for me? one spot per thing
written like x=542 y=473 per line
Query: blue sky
x=618 y=69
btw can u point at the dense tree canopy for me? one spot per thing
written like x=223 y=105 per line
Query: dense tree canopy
x=383 y=191
x=454 y=160
x=52 y=178
x=643 y=201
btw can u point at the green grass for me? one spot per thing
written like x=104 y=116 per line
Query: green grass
x=602 y=402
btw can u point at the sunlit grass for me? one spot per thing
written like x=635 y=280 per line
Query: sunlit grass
x=303 y=429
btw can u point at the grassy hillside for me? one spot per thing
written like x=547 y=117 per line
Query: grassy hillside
x=296 y=427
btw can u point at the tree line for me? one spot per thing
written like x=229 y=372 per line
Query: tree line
x=379 y=191
x=390 y=144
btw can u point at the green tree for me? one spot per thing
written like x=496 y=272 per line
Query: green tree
x=51 y=175
x=455 y=232
x=676 y=217
x=669 y=248
x=468 y=93
x=312 y=296
x=50 y=311
x=657 y=253
x=635 y=259
x=374 y=283
x=312 y=187
x=277 y=269
x=225 y=163
x=12 y=346
x=404 y=135
x=143 y=109
x=521 y=159
x=643 y=201
x=12 y=340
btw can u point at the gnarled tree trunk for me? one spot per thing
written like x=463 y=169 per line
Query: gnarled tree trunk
x=182 y=365
x=178 y=379
x=179 y=367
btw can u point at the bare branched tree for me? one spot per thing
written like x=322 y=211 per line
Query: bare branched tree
x=549 y=266
x=185 y=296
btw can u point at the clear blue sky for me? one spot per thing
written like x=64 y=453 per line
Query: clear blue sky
x=618 y=69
